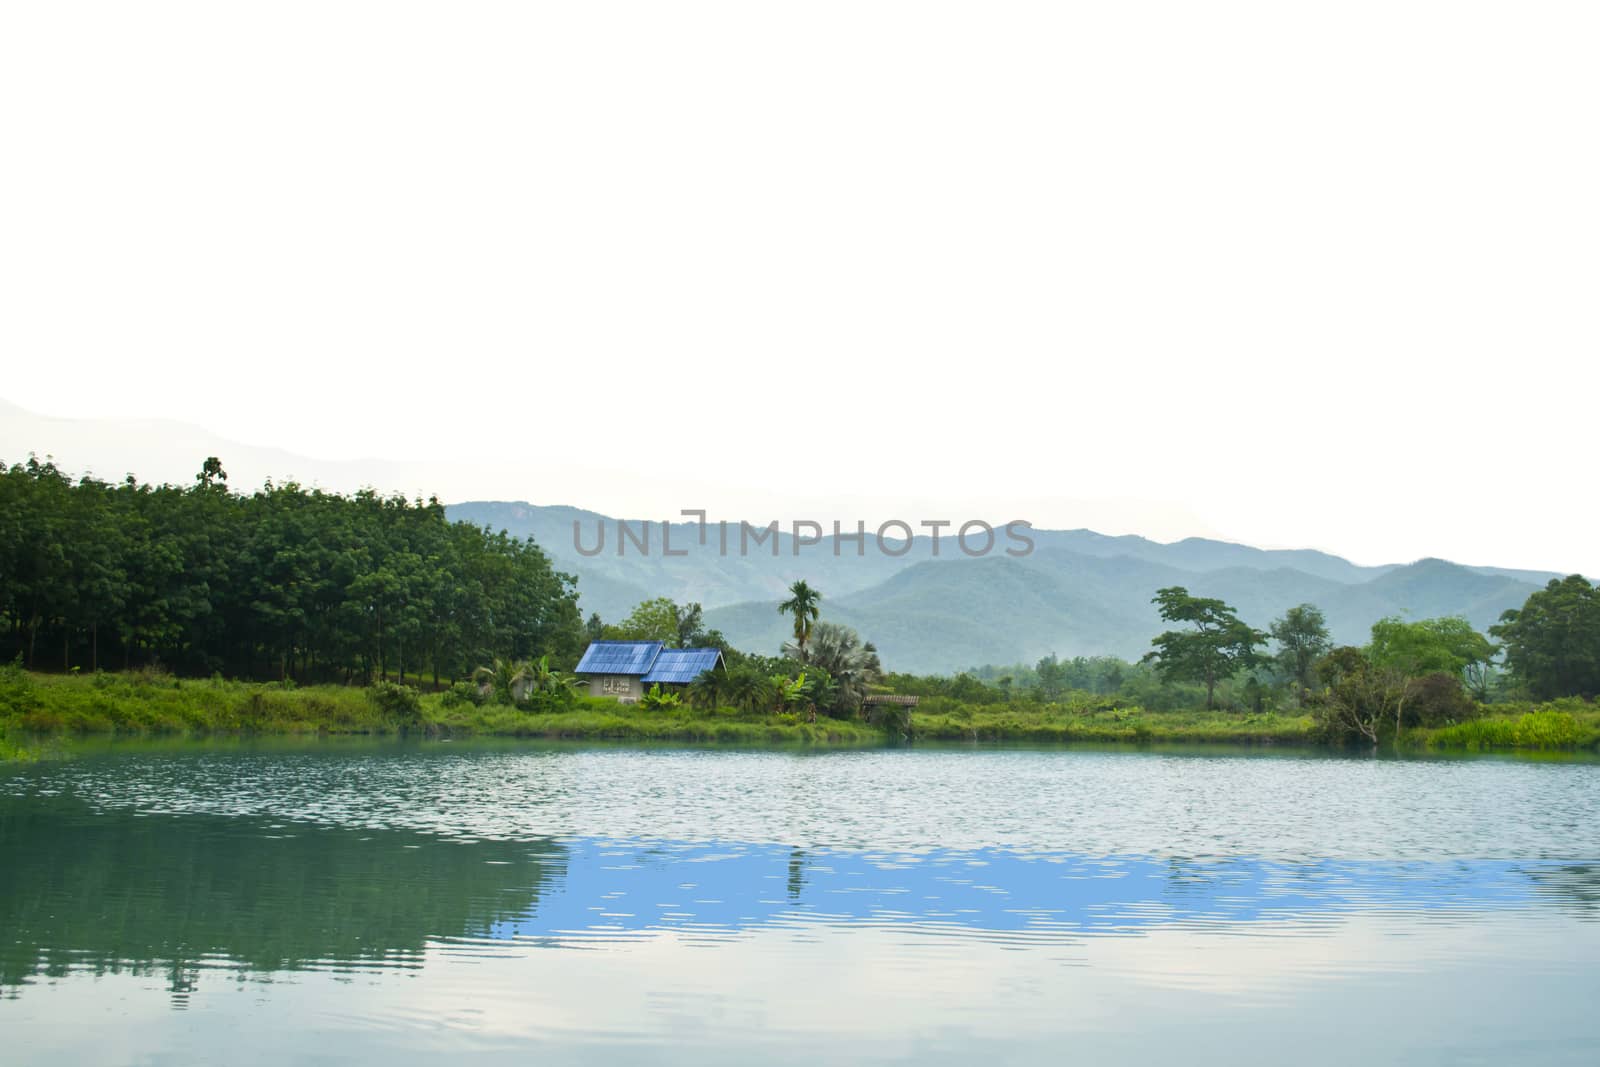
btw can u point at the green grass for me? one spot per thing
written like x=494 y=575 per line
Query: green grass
x=1565 y=724
x=1055 y=723
x=37 y=707
x=144 y=704
x=13 y=752
x=606 y=719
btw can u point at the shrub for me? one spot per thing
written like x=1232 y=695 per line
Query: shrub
x=19 y=697
x=1437 y=700
x=401 y=703
x=461 y=695
x=1548 y=729
x=553 y=700
x=1542 y=728
x=656 y=699
x=153 y=676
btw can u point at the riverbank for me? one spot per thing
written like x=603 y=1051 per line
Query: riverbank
x=35 y=708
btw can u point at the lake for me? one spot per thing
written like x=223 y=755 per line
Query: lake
x=334 y=902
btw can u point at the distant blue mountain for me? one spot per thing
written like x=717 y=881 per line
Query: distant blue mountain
x=1078 y=593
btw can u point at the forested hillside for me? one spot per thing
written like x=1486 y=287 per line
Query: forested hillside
x=1077 y=593
x=284 y=582
x=289 y=582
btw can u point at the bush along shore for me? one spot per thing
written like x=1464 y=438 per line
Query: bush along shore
x=38 y=709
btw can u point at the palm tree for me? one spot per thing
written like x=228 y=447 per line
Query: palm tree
x=507 y=681
x=543 y=678
x=749 y=689
x=851 y=664
x=802 y=604
x=707 y=690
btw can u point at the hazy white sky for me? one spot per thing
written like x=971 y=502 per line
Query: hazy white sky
x=1296 y=274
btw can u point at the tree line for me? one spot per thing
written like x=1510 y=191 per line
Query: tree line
x=283 y=583
x=1425 y=672
x=827 y=668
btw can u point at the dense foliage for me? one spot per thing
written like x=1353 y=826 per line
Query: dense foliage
x=1553 y=642
x=286 y=582
x=1302 y=637
x=1214 y=645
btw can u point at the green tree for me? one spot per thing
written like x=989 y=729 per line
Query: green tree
x=1552 y=642
x=674 y=625
x=689 y=619
x=1355 y=697
x=749 y=688
x=504 y=681
x=851 y=664
x=281 y=583
x=1052 y=677
x=1407 y=656
x=1302 y=636
x=1216 y=646
x=211 y=473
x=804 y=604
x=708 y=690
x=1449 y=645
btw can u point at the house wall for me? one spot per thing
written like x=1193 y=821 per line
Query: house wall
x=623 y=687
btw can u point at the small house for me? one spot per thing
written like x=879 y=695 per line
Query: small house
x=625 y=670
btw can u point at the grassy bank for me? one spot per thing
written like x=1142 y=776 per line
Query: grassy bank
x=1059 y=723
x=1562 y=724
x=37 y=707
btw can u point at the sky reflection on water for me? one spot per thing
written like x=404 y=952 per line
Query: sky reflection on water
x=475 y=918
x=629 y=886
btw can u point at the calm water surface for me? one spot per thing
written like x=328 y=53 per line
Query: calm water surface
x=416 y=903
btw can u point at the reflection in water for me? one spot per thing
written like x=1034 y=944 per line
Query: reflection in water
x=419 y=904
x=103 y=891
x=86 y=890
x=613 y=888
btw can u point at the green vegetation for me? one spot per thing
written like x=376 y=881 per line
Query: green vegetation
x=311 y=589
x=1302 y=636
x=804 y=604
x=285 y=583
x=14 y=752
x=169 y=893
x=1216 y=644
x=1561 y=725
x=150 y=702
x=1553 y=642
x=144 y=703
x=674 y=625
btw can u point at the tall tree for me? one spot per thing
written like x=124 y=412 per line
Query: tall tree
x=689 y=624
x=804 y=604
x=1217 y=644
x=1052 y=677
x=1405 y=654
x=1302 y=636
x=281 y=583
x=850 y=663
x=1448 y=645
x=1553 y=641
x=652 y=620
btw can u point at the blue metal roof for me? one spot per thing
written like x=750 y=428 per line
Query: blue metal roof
x=681 y=665
x=618 y=657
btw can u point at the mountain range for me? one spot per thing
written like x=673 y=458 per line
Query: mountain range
x=1077 y=593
